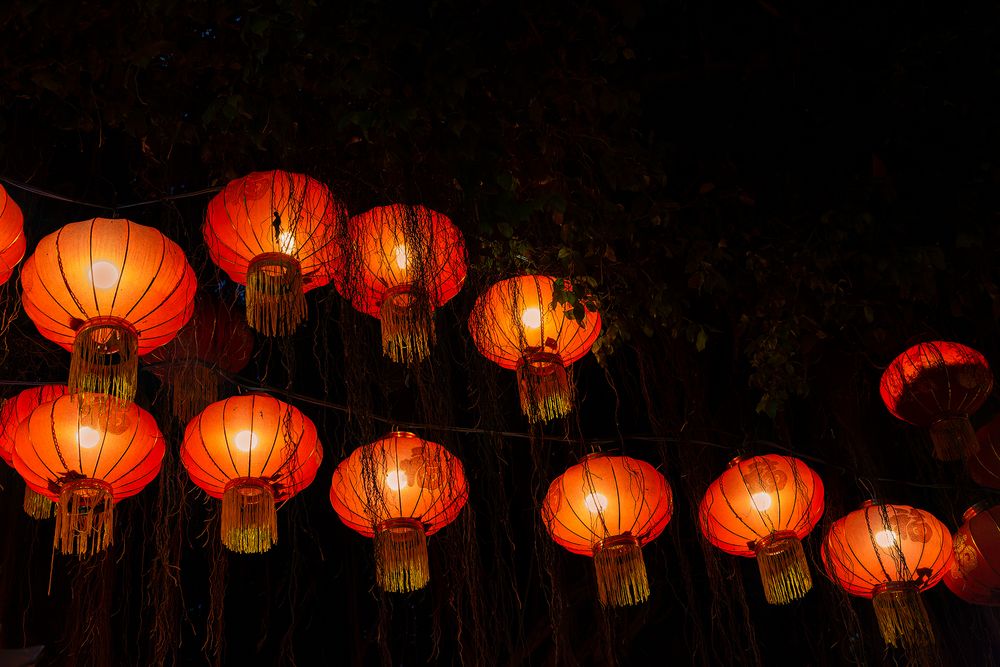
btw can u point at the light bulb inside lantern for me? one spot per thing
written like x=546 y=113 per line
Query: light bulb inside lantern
x=886 y=538
x=401 y=257
x=531 y=318
x=286 y=242
x=104 y=275
x=246 y=440
x=88 y=437
x=396 y=480
x=762 y=501
x=595 y=502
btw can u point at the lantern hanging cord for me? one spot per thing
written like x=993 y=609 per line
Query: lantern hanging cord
x=78 y=202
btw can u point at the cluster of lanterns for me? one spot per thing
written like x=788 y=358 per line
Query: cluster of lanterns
x=112 y=291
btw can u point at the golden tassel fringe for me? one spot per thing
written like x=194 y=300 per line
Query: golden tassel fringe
x=249 y=519
x=36 y=505
x=544 y=388
x=901 y=616
x=407 y=326
x=105 y=359
x=784 y=570
x=84 y=518
x=276 y=299
x=953 y=438
x=621 y=572
x=192 y=387
x=401 y=562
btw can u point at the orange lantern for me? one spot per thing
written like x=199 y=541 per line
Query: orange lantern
x=762 y=507
x=402 y=263
x=974 y=574
x=984 y=464
x=608 y=507
x=213 y=340
x=399 y=490
x=517 y=325
x=11 y=235
x=87 y=452
x=938 y=385
x=274 y=232
x=14 y=411
x=251 y=451
x=107 y=290
x=890 y=553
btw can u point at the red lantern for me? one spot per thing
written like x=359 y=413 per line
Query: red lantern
x=402 y=263
x=11 y=235
x=274 y=232
x=762 y=507
x=608 y=507
x=399 y=490
x=108 y=290
x=14 y=411
x=517 y=325
x=938 y=385
x=251 y=451
x=87 y=452
x=974 y=574
x=890 y=553
x=213 y=340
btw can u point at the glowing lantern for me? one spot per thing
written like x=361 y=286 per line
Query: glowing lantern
x=399 y=490
x=608 y=507
x=274 y=232
x=87 y=452
x=938 y=385
x=14 y=411
x=517 y=325
x=11 y=235
x=251 y=451
x=213 y=340
x=107 y=290
x=974 y=574
x=403 y=262
x=763 y=507
x=890 y=553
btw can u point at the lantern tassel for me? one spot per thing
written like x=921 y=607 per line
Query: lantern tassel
x=953 y=438
x=407 y=326
x=249 y=519
x=192 y=386
x=784 y=570
x=621 y=572
x=84 y=518
x=545 y=390
x=401 y=556
x=36 y=505
x=105 y=358
x=901 y=615
x=276 y=300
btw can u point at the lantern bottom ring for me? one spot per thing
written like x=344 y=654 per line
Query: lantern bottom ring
x=902 y=617
x=249 y=519
x=84 y=517
x=276 y=299
x=401 y=562
x=105 y=358
x=407 y=320
x=544 y=387
x=784 y=570
x=621 y=571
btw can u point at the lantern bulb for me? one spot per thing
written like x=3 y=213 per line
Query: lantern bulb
x=104 y=275
x=396 y=480
x=401 y=256
x=886 y=538
x=762 y=501
x=286 y=242
x=246 y=440
x=595 y=502
x=531 y=318
x=88 y=437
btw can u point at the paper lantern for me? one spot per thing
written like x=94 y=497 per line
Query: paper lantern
x=87 y=452
x=11 y=235
x=762 y=507
x=402 y=262
x=517 y=325
x=938 y=385
x=214 y=339
x=251 y=451
x=274 y=232
x=890 y=553
x=974 y=574
x=108 y=290
x=399 y=490
x=608 y=507
x=984 y=464
x=14 y=411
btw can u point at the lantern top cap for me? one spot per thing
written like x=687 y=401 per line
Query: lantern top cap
x=736 y=460
x=402 y=434
x=870 y=502
x=974 y=509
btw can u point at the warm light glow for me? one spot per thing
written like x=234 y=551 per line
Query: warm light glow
x=401 y=256
x=396 y=480
x=104 y=275
x=532 y=318
x=88 y=437
x=595 y=502
x=246 y=440
x=762 y=501
x=286 y=242
x=886 y=538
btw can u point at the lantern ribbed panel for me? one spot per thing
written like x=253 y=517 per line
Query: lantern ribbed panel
x=214 y=337
x=984 y=464
x=17 y=408
x=12 y=243
x=974 y=574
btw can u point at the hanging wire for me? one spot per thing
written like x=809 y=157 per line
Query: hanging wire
x=69 y=200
